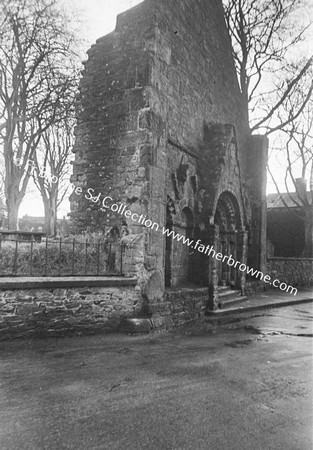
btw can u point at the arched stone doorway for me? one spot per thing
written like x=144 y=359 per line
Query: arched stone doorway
x=178 y=264
x=228 y=220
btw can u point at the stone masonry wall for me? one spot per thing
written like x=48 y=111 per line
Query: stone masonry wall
x=189 y=51
x=43 y=312
x=293 y=271
x=193 y=79
x=116 y=135
x=163 y=78
x=179 y=306
x=187 y=305
x=112 y=141
x=59 y=311
x=194 y=89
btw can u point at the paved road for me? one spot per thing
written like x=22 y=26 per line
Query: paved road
x=245 y=383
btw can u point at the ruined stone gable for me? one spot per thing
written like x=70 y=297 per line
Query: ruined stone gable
x=162 y=128
x=166 y=69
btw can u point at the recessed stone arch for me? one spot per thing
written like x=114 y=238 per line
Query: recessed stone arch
x=229 y=221
x=228 y=211
x=187 y=218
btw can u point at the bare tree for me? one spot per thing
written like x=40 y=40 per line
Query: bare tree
x=265 y=36
x=51 y=169
x=298 y=152
x=2 y=178
x=2 y=199
x=36 y=71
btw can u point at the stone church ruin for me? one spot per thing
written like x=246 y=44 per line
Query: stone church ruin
x=162 y=129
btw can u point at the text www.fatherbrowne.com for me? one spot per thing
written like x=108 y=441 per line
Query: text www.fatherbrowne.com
x=208 y=250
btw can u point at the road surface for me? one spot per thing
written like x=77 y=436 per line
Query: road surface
x=245 y=383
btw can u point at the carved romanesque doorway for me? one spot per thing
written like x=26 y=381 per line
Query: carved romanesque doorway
x=227 y=217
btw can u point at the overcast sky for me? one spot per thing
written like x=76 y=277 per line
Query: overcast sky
x=98 y=16
x=98 y=19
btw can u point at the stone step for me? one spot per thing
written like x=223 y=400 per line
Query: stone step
x=227 y=293
x=228 y=297
x=223 y=288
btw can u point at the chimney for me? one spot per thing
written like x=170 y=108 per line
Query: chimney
x=301 y=187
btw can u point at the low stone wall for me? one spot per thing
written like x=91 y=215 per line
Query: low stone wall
x=65 y=306
x=53 y=308
x=293 y=271
x=181 y=305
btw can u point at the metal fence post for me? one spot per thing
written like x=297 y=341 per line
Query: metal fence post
x=46 y=256
x=121 y=261
x=86 y=255
x=15 y=258
x=31 y=256
x=98 y=261
x=73 y=259
x=60 y=255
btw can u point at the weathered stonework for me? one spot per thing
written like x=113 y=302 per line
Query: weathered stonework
x=162 y=129
x=293 y=271
x=53 y=312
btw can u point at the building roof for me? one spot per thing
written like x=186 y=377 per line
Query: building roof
x=284 y=199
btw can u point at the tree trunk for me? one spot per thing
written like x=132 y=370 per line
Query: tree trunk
x=13 y=202
x=13 y=195
x=50 y=216
x=13 y=208
x=308 y=227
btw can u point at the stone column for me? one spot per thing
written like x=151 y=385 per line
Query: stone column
x=242 y=254
x=212 y=268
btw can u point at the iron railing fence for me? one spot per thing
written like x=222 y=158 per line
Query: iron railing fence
x=60 y=257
